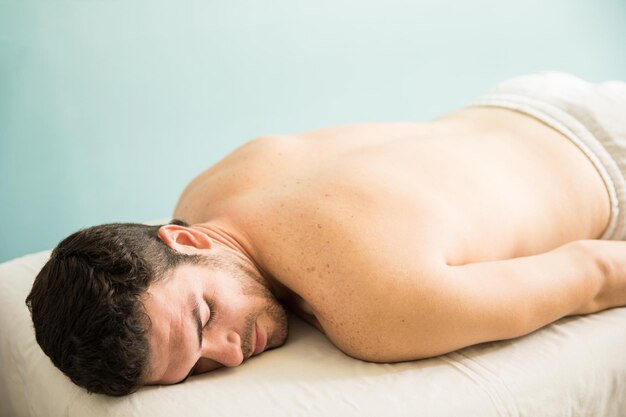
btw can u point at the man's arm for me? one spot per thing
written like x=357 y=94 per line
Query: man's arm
x=497 y=300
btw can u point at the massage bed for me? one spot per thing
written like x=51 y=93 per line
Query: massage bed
x=574 y=367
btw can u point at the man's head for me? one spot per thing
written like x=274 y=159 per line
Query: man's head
x=109 y=307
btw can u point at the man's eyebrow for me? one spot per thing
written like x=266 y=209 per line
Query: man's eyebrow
x=196 y=315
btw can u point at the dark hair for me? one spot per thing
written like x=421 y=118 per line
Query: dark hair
x=86 y=303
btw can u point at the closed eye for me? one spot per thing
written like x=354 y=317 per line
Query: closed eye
x=196 y=315
x=212 y=313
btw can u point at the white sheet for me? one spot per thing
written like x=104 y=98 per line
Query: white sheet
x=575 y=367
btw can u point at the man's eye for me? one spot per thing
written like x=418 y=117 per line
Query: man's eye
x=212 y=313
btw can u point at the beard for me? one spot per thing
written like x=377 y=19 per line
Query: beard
x=276 y=336
x=253 y=285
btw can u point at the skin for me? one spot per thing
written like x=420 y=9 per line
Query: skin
x=237 y=314
x=399 y=241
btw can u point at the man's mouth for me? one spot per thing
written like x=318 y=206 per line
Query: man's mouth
x=260 y=340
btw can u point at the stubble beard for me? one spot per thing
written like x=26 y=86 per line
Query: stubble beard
x=276 y=336
x=250 y=281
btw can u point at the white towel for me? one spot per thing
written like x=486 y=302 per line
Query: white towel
x=592 y=116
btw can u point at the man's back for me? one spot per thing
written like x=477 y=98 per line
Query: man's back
x=348 y=217
x=479 y=185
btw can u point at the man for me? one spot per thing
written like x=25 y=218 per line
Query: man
x=399 y=241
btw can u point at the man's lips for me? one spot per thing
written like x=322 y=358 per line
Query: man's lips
x=260 y=340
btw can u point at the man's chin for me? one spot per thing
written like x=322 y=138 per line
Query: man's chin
x=279 y=336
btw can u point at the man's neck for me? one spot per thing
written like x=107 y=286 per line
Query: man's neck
x=226 y=237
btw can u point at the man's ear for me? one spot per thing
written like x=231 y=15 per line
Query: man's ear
x=185 y=240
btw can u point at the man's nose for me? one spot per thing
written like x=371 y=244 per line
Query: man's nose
x=223 y=347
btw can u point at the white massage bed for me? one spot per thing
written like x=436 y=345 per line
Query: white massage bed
x=575 y=367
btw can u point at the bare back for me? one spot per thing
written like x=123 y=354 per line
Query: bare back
x=481 y=184
x=346 y=213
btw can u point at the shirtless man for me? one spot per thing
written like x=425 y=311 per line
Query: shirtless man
x=398 y=241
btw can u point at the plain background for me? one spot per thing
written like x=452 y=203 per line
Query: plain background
x=108 y=108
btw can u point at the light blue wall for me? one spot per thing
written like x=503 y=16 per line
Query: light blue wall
x=108 y=108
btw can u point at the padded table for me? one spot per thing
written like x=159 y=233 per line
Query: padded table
x=574 y=367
